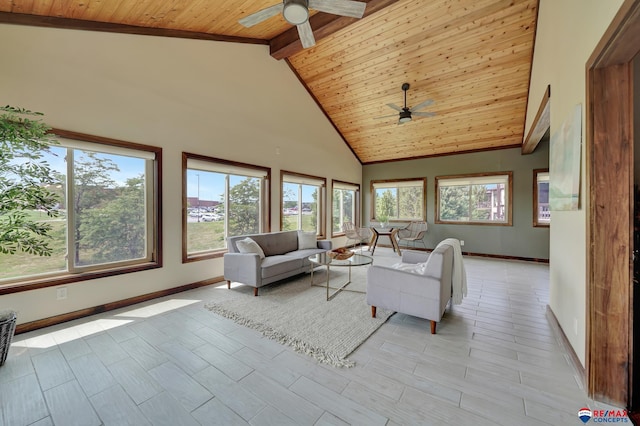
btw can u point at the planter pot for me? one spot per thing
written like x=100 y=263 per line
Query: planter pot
x=7 y=329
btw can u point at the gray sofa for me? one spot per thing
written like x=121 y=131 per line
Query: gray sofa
x=282 y=259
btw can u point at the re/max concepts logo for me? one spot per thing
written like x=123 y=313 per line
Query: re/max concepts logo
x=603 y=416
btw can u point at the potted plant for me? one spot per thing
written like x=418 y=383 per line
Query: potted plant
x=24 y=178
x=384 y=220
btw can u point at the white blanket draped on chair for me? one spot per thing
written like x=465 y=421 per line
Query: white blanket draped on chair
x=459 y=275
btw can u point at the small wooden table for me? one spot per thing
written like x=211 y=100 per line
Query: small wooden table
x=384 y=232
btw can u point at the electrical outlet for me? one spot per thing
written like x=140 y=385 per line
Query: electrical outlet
x=575 y=326
x=461 y=242
x=61 y=293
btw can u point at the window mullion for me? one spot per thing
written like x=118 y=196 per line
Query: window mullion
x=71 y=217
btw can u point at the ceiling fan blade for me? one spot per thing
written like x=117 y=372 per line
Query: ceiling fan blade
x=423 y=114
x=306 y=35
x=394 y=106
x=353 y=9
x=261 y=15
x=385 y=116
x=422 y=105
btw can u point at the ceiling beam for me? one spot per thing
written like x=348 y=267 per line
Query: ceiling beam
x=541 y=124
x=110 y=27
x=323 y=25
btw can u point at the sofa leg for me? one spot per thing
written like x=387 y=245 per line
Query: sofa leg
x=228 y=284
x=255 y=291
x=373 y=312
x=433 y=327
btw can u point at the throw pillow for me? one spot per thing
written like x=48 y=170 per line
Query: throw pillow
x=307 y=240
x=249 y=246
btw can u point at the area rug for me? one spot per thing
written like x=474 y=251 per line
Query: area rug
x=295 y=313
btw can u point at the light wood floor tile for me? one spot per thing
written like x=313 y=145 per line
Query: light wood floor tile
x=146 y=355
x=115 y=407
x=230 y=393
x=52 y=369
x=135 y=380
x=282 y=374
x=331 y=420
x=69 y=406
x=106 y=348
x=91 y=373
x=269 y=416
x=180 y=385
x=342 y=407
x=164 y=410
x=229 y=365
x=495 y=360
x=297 y=408
x=187 y=360
x=17 y=409
x=215 y=413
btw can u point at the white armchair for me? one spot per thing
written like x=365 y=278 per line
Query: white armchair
x=420 y=287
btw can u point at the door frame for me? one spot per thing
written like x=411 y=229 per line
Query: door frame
x=609 y=158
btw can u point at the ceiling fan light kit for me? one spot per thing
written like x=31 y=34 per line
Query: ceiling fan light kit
x=405 y=117
x=296 y=12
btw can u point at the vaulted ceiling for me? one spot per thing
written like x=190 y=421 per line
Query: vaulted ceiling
x=471 y=57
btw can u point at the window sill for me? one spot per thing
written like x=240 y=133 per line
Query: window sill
x=66 y=278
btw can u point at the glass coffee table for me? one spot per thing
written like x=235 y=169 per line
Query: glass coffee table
x=323 y=259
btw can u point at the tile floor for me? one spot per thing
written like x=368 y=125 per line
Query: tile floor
x=495 y=360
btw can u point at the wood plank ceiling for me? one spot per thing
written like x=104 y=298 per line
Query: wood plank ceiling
x=472 y=57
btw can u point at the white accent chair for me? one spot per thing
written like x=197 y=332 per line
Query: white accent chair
x=420 y=286
x=356 y=236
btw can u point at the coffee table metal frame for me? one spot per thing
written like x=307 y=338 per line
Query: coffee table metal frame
x=323 y=259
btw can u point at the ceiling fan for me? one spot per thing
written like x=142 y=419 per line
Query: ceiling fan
x=296 y=12
x=406 y=112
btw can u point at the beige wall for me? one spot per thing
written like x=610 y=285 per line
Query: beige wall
x=223 y=100
x=568 y=31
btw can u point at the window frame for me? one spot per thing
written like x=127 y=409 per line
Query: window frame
x=322 y=197
x=536 y=220
x=154 y=258
x=265 y=220
x=509 y=201
x=388 y=182
x=356 y=204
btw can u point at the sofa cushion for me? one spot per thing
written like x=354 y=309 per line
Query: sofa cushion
x=276 y=243
x=304 y=255
x=248 y=245
x=307 y=240
x=279 y=264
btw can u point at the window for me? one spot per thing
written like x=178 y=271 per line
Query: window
x=345 y=200
x=302 y=202
x=402 y=199
x=108 y=212
x=220 y=199
x=476 y=199
x=541 y=213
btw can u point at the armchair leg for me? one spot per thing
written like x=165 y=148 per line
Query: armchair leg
x=433 y=327
x=373 y=312
x=228 y=284
x=255 y=291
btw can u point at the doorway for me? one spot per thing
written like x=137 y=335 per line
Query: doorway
x=611 y=327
